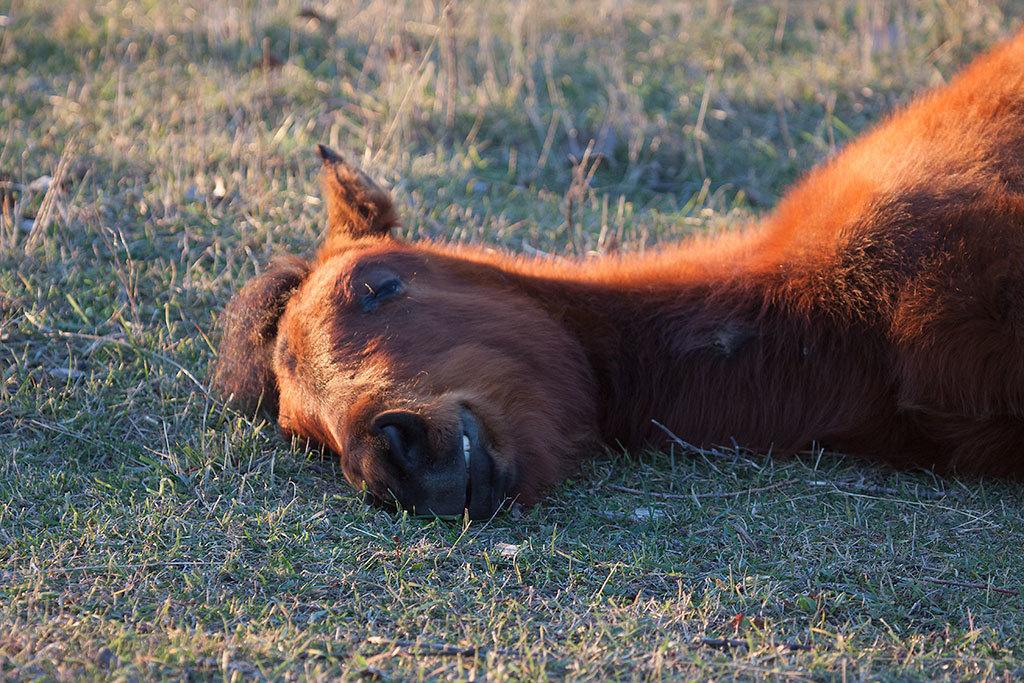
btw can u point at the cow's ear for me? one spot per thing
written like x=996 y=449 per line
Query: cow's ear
x=244 y=373
x=356 y=205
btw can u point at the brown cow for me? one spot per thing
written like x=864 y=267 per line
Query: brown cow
x=879 y=310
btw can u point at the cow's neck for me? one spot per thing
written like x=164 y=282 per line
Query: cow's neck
x=718 y=349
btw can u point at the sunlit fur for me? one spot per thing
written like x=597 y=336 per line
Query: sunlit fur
x=878 y=310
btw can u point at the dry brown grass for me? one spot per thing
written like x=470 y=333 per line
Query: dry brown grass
x=146 y=531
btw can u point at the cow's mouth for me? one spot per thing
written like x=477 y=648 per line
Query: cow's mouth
x=463 y=478
x=483 y=494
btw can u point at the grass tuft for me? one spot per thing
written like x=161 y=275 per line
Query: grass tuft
x=154 y=155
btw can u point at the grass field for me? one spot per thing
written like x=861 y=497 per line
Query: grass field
x=154 y=155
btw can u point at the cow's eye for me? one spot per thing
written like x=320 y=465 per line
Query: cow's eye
x=382 y=291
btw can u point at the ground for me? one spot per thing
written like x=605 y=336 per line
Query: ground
x=154 y=155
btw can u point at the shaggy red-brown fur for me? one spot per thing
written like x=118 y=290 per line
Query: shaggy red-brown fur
x=879 y=310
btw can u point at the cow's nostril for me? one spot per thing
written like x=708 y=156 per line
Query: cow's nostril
x=406 y=436
x=400 y=442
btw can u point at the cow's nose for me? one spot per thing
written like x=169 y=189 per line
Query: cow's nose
x=406 y=436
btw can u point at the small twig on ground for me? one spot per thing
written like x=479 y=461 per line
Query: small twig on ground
x=960 y=584
x=880 y=490
x=100 y=567
x=76 y=435
x=403 y=105
x=684 y=444
x=724 y=643
x=42 y=219
x=780 y=110
x=687 y=496
x=727 y=643
x=863 y=488
x=709 y=454
x=128 y=345
x=440 y=649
